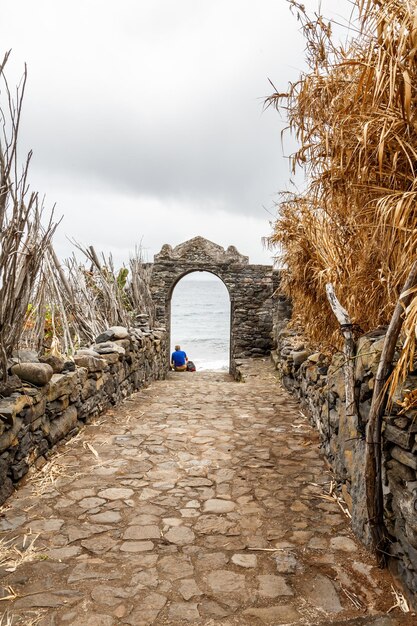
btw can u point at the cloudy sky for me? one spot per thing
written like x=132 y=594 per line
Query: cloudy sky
x=146 y=117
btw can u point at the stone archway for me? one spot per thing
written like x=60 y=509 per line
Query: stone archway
x=251 y=288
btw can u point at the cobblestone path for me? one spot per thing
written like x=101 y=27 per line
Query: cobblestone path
x=199 y=501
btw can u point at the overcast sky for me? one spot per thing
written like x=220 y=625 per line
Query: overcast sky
x=146 y=117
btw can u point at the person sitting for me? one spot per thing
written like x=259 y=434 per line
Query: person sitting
x=179 y=360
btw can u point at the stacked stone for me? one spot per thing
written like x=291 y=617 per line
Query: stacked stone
x=318 y=381
x=49 y=401
x=252 y=310
x=400 y=455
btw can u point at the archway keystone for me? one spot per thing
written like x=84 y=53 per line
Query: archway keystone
x=251 y=289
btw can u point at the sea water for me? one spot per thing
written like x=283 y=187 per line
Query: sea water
x=200 y=321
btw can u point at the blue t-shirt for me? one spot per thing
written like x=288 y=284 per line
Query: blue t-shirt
x=178 y=358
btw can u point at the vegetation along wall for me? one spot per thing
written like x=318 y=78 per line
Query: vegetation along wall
x=49 y=401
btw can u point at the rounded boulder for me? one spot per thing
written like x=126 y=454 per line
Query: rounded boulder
x=119 y=332
x=56 y=362
x=38 y=374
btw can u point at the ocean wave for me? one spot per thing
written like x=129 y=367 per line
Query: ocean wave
x=218 y=343
x=200 y=323
x=213 y=366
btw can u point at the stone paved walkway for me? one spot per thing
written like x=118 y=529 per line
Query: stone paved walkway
x=199 y=501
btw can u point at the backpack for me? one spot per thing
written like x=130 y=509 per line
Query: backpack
x=190 y=366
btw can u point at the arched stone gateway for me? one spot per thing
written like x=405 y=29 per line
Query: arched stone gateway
x=251 y=288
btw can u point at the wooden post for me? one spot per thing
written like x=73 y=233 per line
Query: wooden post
x=349 y=349
x=61 y=273
x=373 y=455
x=94 y=257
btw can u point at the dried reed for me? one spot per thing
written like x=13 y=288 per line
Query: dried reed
x=354 y=114
x=23 y=237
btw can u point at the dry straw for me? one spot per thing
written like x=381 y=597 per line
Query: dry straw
x=354 y=115
x=12 y=556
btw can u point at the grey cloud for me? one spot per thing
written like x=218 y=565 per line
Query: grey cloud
x=215 y=154
x=136 y=106
x=161 y=112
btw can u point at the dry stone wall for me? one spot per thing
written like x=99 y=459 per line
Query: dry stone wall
x=318 y=382
x=49 y=402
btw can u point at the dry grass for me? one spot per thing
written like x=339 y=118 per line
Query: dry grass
x=354 y=114
x=6 y=619
x=11 y=556
x=400 y=602
x=52 y=473
x=14 y=620
x=10 y=594
x=332 y=496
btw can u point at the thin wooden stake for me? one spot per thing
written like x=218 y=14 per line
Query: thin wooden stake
x=349 y=349
x=373 y=454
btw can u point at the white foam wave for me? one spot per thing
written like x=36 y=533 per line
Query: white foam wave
x=213 y=366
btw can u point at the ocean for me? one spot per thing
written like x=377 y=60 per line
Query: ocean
x=200 y=321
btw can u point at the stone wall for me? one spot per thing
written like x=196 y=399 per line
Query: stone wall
x=251 y=289
x=36 y=417
x=318 y=382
